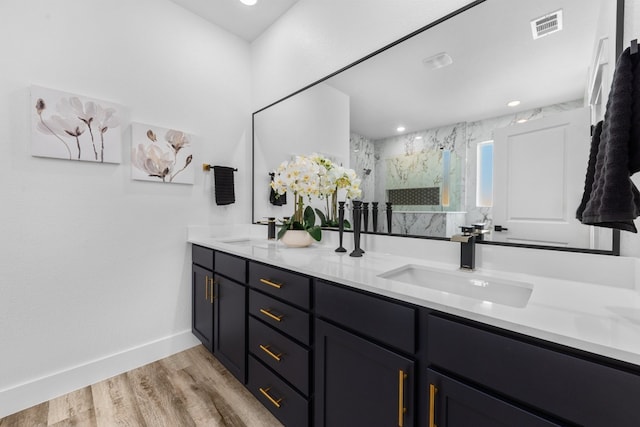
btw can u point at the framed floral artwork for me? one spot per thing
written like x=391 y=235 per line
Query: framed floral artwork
x=161 y=154
x=74 y=127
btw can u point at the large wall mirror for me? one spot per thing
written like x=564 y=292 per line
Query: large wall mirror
x=482 y=117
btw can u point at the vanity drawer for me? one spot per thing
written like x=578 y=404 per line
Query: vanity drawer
x=281 y=316
x=283 y=401
x=569 y=387
x=286 y=285
x=383 y=320
x=231 y=266
x=202 y=256
x=280 y=353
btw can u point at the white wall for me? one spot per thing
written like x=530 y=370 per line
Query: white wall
x=317 y=121
x=94 y=267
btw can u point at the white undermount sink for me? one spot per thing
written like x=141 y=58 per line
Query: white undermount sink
x=466 y=283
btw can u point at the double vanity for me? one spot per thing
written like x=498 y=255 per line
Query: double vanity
x=324 y=339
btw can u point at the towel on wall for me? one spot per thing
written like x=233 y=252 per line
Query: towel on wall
x=611 y=199
x=274 y=199
x=224 y=186
x=591 y=169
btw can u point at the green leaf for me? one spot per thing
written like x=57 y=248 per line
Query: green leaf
x=347 y=224
x=309 y=217
x=323 y=218
x=316 y=232
x=295 y=225
x=282 y=230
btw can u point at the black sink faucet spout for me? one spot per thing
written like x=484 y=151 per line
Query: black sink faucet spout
x=467 y=248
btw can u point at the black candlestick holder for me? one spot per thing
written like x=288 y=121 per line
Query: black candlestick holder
x=374 y=214
x=341 y=225
x=365 y=216
x=357 y=216
x=389 y=212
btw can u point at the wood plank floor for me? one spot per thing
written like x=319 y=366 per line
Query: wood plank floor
x=190 y=388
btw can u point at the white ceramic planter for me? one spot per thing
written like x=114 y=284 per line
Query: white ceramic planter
x=297 y=239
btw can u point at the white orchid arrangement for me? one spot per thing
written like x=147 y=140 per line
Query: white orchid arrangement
x=313 y=176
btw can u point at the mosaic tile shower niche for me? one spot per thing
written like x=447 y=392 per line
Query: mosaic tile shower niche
x=429 y=180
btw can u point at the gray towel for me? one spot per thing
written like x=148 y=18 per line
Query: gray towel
x=613 y=200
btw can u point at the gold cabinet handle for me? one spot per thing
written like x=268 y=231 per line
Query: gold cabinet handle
x=206 y=288
x=270 y=283
x=401 y=408
x=432 y=405
x=213 y=284
x=265 y=392
x=265 y=348
x=268 y=313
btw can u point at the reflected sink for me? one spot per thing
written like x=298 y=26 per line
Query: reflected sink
x=469 y=284
x=236 y=241
x=246 y=241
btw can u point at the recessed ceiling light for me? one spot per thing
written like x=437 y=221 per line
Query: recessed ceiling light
x=418 y=137
x=521 y=120
x=513 y=103
x=400 y=129
x=249 y=2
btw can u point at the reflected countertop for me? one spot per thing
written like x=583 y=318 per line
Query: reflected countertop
x=599 y=319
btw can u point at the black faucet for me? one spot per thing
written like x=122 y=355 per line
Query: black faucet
x=467 y=247
x=470 y=235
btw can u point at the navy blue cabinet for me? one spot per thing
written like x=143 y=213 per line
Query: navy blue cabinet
x=218 y=315
x=279 y=342
x=360 y=383
x=323 y=354
x=229 y=338
x=202 y=302
x=456 y=404
x=365 y=372
x=558 y=384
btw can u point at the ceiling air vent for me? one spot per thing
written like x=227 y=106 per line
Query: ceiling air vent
x=547 y=24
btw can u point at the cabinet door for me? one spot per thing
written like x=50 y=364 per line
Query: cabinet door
x=230 y=325
x=455 y=404
x=202 y=305
x=359 y=383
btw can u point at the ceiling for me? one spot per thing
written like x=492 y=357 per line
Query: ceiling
x=494 y=61
x=247 y=22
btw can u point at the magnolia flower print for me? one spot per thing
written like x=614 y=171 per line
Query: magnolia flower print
x=159 y=159
x=83 y=123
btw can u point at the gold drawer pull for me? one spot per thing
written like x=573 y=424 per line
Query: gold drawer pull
x=432 y=403
x=265 y=348
x=401 y=408
x=266 y=312
x=206 y=288
x=270 y=283
x=265 y=392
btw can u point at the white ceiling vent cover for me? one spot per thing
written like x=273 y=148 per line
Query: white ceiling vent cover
x=547 y=24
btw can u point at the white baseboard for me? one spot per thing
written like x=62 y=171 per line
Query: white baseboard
x=31 y=393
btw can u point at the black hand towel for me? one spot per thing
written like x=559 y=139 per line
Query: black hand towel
x=224 y=187
x=591 y=169
x=274 y=199
x=614 y=201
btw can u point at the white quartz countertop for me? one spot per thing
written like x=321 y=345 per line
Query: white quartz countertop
x=599 y=319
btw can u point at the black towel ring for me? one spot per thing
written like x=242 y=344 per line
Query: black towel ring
x=634 y=47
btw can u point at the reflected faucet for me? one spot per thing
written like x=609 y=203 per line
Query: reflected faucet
x=468 y=238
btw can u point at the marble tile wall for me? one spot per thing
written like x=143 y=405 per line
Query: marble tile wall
x=362 y=160
x=415 y=160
